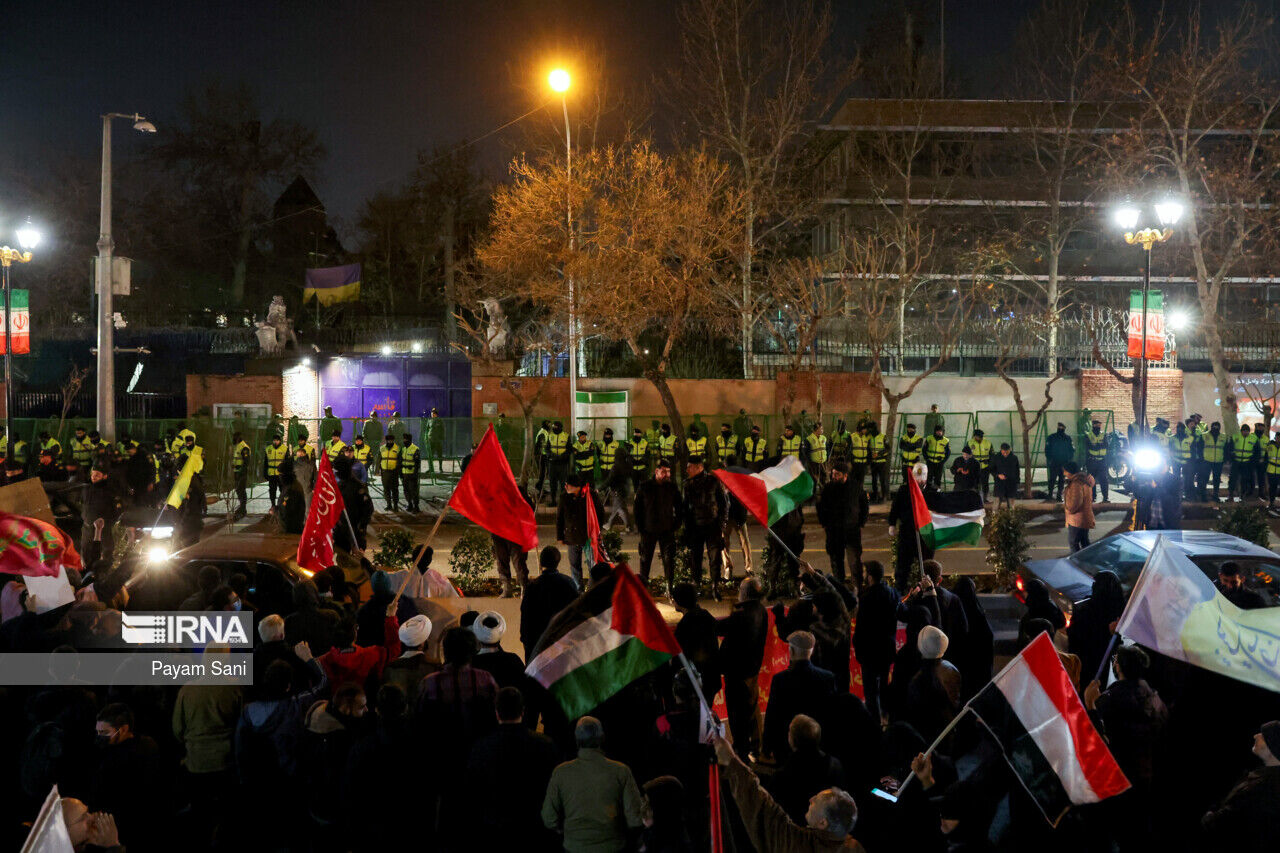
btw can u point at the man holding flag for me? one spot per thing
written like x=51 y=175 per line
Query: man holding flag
x=571 y=524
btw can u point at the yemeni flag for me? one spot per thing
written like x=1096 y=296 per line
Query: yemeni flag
x=1046 y=736
x=487 y=494
x=956 y=518
x=773 y=492
x=34 y=548
x=606 y=639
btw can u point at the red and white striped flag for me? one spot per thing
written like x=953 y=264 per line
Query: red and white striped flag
x=1035 y=716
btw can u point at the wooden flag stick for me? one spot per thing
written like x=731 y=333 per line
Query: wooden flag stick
x=417 y=553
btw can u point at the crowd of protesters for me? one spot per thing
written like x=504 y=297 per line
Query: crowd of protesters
x=366 y=728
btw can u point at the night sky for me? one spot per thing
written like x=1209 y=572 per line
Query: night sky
x=379 y=79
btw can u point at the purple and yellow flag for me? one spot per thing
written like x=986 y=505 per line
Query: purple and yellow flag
x=333 y=284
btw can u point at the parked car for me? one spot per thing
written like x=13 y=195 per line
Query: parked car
x=1070 y=578
x=164 y=579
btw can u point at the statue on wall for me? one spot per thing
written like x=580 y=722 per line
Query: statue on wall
x=276 y=334
x=499 y=330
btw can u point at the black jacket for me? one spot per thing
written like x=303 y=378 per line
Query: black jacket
x=544 y=597
x=571 y=518
x=696 y=634
x=801 y=688
x=706 y=503
x=1058 y=448
x=506 y=667
x=842 y=506
x=876 y=627
x=1132 y=717
x=1248 y=820
x=806 y=773
x=966 y=473
x=954 y=623
x=659 y=508
x=506 y=777
x=745 y=630
x=1012 y=470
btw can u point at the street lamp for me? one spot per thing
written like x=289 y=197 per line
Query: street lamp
x=106 y=331
x=559 y=81
x=28 y=239
x=1128 y=217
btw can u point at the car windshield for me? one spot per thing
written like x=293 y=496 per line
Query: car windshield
x=1115 y=553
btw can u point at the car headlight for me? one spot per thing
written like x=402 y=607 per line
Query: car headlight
x=1148 y=460
x=157 y=554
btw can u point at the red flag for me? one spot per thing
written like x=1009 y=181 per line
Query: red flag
x=35 y=548
x=315 y=548
x=593 y=528
x=488 y=495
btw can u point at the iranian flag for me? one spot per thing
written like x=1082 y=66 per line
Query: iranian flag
x=773 y=492
x=606 y=639
x=955 y=519
x=1034 y=714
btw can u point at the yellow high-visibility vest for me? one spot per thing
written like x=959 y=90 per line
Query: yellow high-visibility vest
x=389 y=457
x=696 y=446
x=82 y=450
x=726 y=447
x=239 y=456
x=639 y=450
x=981 y=450
x=334 y=448
x=1213 y=447
x=1096 y=445
x=557 y=444
x=860 y=447
x=275 y=455
x=935 y=449
x=789 y=446
x=608 y=450
x=360 y=454
x=1273 y=458
x=909 y=448
x=409 y=456
x=817 y=448
x=755 y=449
x=667 y=446
x=1181 y=448
x=584 y=455
x=876 y=448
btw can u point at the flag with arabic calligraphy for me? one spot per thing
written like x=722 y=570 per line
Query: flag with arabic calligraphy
x=1177 y=611
x=34 y=548
x=315 y=546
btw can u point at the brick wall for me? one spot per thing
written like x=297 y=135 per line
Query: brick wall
x=1100 y=390
x=204 y=390
x=301 y=393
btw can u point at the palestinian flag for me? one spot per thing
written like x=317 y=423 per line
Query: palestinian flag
x=773 y=492
x=606 y=639
x=954 y=519
x=1037 y=719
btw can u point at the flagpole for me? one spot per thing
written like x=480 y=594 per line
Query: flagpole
x=937 y=742
x=697 y=688
x=421 y=548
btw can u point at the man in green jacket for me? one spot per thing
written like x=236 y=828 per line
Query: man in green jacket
x=592 y=801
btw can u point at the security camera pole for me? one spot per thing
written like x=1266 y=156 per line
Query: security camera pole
x=106 y=331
